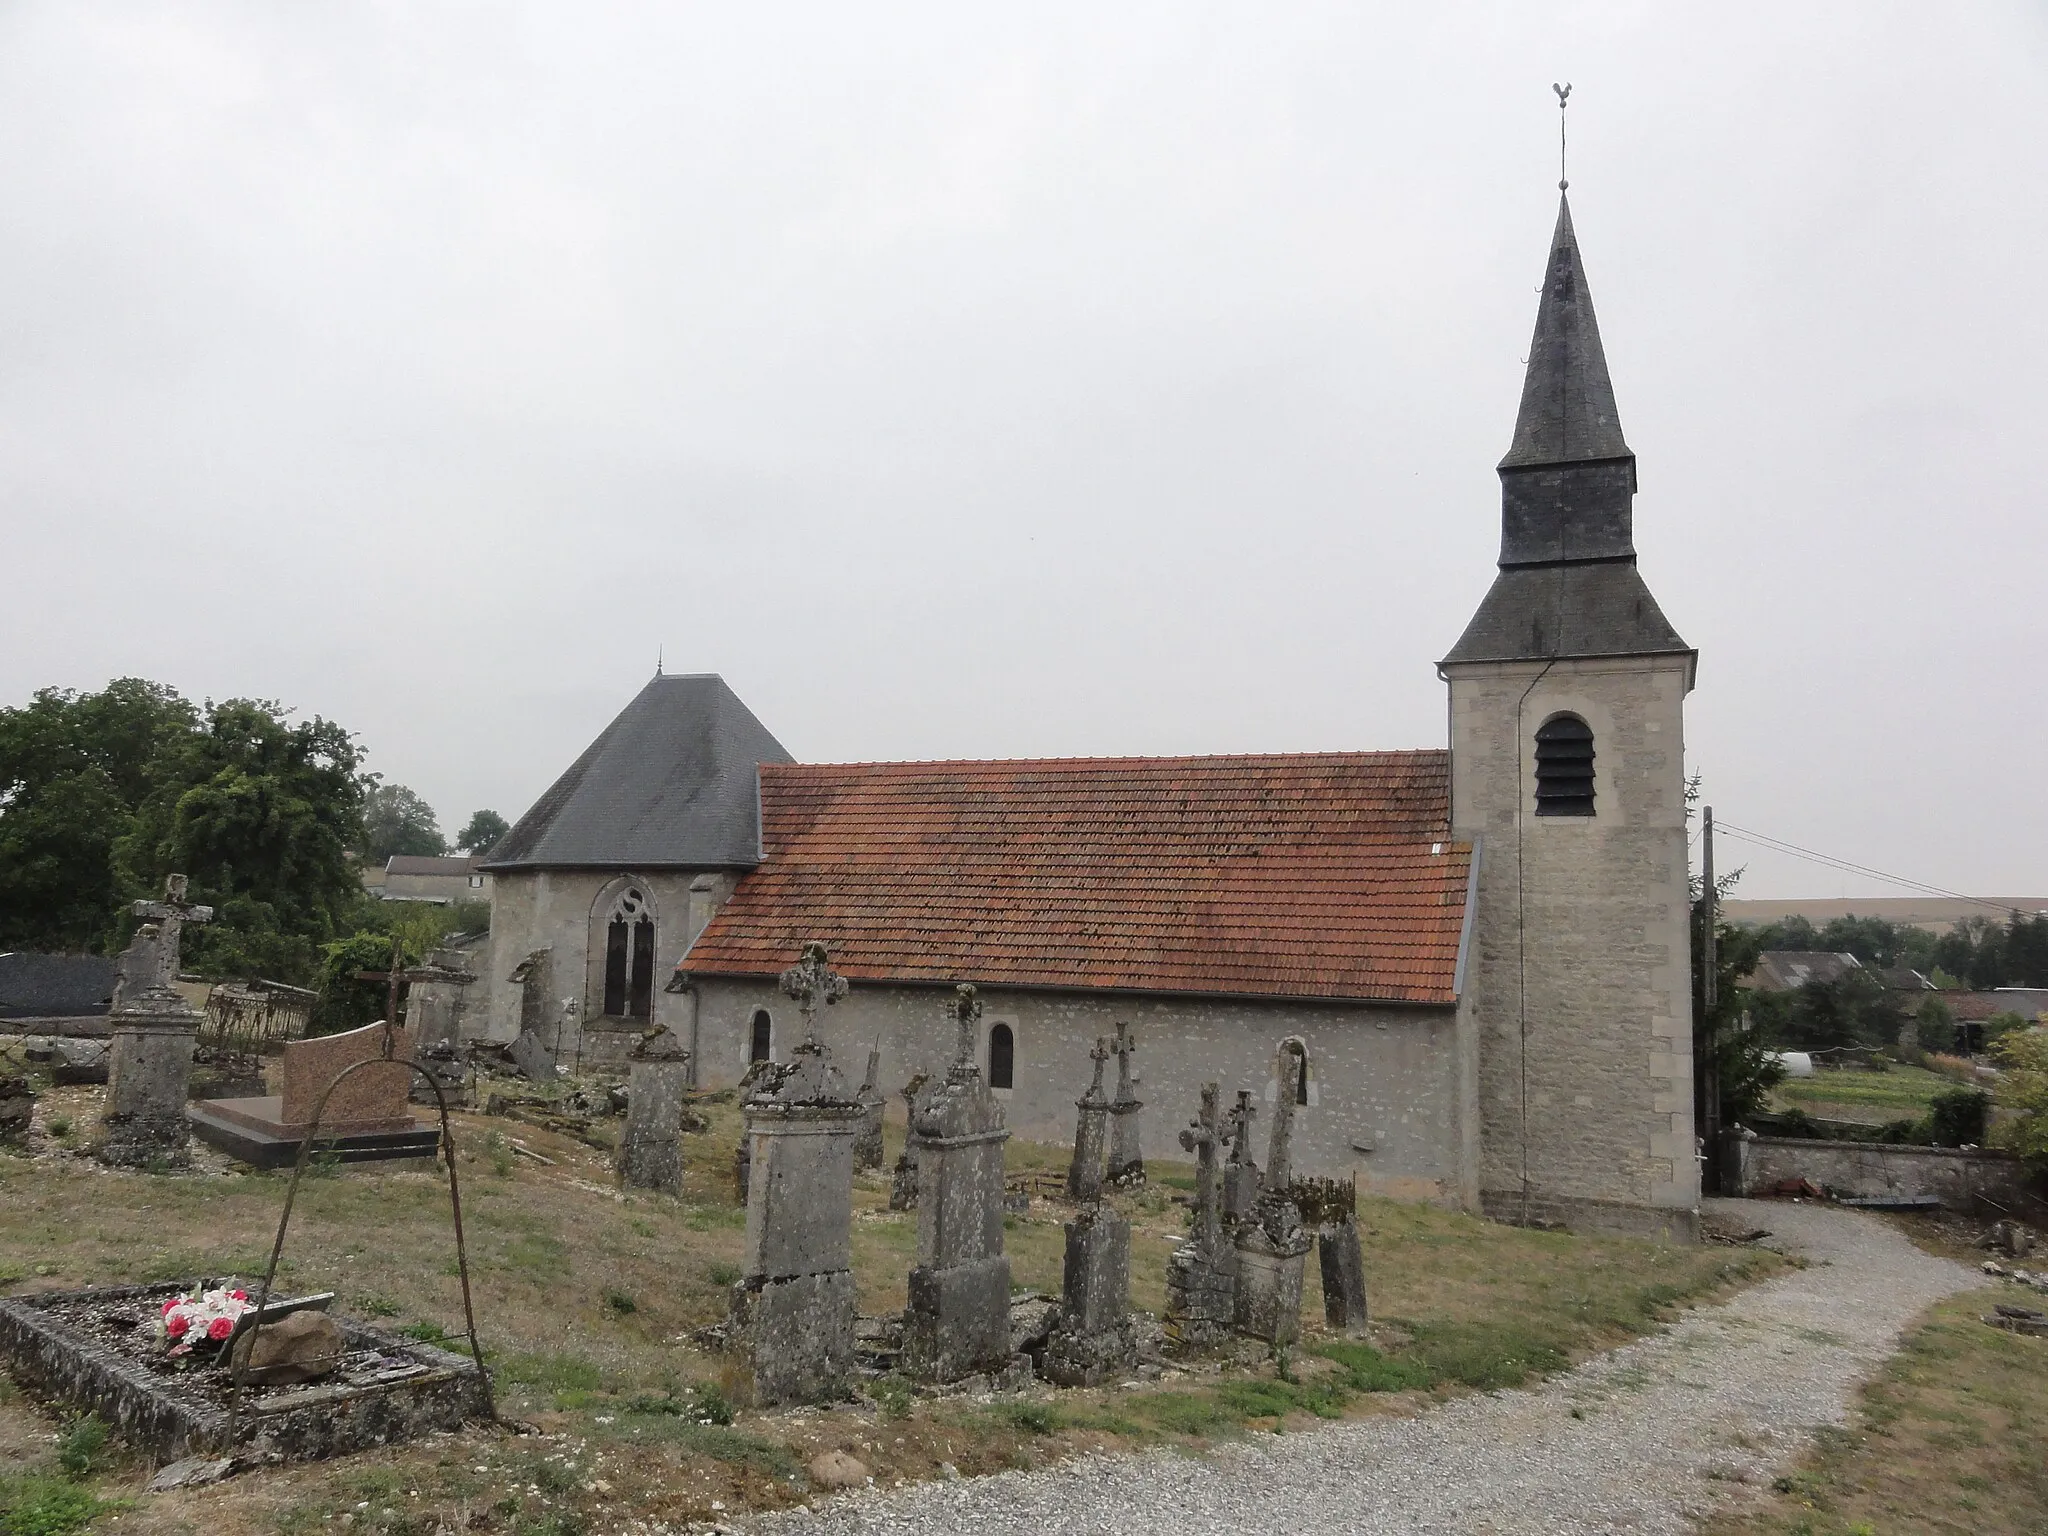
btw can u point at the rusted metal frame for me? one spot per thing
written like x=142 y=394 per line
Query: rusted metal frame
x=284 y=1221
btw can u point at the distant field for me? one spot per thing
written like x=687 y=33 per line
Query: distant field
x=1847 y=1094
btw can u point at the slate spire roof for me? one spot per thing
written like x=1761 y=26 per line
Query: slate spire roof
x=1568 y=585
x=671 y=783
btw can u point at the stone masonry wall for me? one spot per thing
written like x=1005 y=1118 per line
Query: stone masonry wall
x=1592 y=910
x=538 y=909
x=1386 y=1079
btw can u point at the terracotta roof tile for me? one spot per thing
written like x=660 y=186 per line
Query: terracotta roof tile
x=1328 y=875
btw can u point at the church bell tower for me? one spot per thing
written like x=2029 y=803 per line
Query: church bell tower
x=1567 y=695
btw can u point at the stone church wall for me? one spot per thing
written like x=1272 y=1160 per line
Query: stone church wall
x=1385 y=1081
x=554 y=909
x=1597 y=1110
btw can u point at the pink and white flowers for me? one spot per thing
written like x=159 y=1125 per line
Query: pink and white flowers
x=204 y=1315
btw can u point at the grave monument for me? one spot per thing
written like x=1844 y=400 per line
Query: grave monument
x=1126 y=1159
x=651 y=1147
x=153 y=1029
x=1091 y=1132
x=1201 y=1277
x=793 y=1308
x=1272 y=1244
x=867 y=1150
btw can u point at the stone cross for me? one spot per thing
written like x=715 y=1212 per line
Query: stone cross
x=1126 y=1158
x=814 y=985
x=1241 y=1126
x=170 y=916
x=1280 y=1149
x=1084 y=1174
x=966 y=1011
x=1202 y=1138
x=1126 y=1046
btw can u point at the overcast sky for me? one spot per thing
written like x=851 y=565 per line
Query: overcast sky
x=1030 y=380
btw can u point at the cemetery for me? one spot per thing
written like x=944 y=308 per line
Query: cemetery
x=950 y=1302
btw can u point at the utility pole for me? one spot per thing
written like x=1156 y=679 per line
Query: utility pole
x=1710 y=1077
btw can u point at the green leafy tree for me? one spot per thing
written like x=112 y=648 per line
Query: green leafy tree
x=346 y=1002
x=484 y=830
x=73 y=769
x=397 y=821
x=2023 y=1095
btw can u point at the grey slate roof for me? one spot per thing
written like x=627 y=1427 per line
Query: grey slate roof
x=1535 y=612
x=54 y=986
x=671 y=782
x=1568 y=414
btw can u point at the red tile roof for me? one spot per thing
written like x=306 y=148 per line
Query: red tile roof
x=1328 y=875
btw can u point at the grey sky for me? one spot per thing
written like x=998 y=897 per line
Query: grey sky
x=1040 y=380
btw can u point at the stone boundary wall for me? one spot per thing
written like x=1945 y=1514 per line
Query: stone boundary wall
x=91 y=1026
x=1958 y=1178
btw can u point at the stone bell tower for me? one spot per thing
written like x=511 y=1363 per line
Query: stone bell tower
x=1567 y=695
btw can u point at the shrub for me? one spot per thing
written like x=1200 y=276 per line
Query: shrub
x=1957 y=1117
x=44 y=1506
x=2023 y=1093
x=78 y=1451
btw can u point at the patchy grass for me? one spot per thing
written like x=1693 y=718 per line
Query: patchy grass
x=1837 y=1093
x=586 y=1299
x=1947 y=1439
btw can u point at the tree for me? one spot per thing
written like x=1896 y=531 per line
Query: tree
x=73 y=768
x=483 y=831
x=397 y=821
x=2023 y=1095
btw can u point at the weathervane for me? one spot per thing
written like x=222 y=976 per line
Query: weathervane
x=1563 y=95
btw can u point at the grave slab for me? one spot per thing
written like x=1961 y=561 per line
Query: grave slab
x=368 y=1118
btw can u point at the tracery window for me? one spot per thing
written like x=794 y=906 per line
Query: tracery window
x=629 y=958
x=1564 y=767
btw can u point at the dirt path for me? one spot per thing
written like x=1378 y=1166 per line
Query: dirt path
x=1639 y=1440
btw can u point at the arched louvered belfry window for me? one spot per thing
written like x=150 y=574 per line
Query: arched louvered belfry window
x=1564 y=767
x=761 y=1038
x=1002 y=1057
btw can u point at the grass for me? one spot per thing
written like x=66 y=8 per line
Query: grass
x=1946 y=1439
x=1835 y=1093
x=587 y=1299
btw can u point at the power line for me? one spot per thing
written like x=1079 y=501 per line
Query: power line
x=1778 y=845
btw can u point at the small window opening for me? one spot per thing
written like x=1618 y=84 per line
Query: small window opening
x=1297 y=1049
x=1564 y=767
x=1002 y=1057
x=762 y=1039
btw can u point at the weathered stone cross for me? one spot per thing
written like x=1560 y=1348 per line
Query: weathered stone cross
x=1202 y=1138
x=171 y=915
x=966 y=1011
x=814 y=985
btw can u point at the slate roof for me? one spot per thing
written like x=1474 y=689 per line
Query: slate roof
x=1568 y=414
x=54 y=986
x=669 y=783
x=1787 y=970
x=429 y=864
x=1976 y=1007
x=1536 y=612
x=1328 y=875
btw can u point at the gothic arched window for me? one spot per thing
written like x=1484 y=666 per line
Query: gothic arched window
x=760 y=1037
x=629 y=957
x=1564 y=767
x=1002 y=1056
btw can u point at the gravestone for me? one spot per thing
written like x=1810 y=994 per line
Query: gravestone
x=958 y=1321
x=1273 y=1245
x=1201 y=1277
x=150 y=1059
x=867 y=1148
x=793 y=1308
x=1091 y=1131
x=1093 y=1340
x=1126 y=1159
x=651 y=1147
x=1342 y=1260
x=533 y=1048
x=903 y=1181
x=1242 y=1181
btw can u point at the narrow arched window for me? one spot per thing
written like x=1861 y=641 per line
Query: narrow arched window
x=1564 y=767
x=1300 y=1052
x=762 y=1037
x=1002 y=1057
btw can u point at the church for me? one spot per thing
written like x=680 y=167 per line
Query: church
x=1480 y=950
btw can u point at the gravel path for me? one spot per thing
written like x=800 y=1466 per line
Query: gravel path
x=1729 y=1394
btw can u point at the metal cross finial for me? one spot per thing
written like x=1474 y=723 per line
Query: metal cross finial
x=1563 y=95
x=966 y=1013
x=814 y=985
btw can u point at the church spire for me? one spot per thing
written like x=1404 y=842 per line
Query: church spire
x=1569 y=477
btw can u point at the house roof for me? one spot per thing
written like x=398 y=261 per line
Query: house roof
x=1976 y=1007
x=1787 y=970
x=54 y=986
x=669 y=783
x=1309 y=876
x=427 y=864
